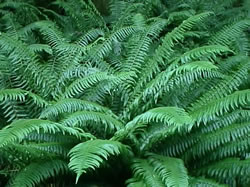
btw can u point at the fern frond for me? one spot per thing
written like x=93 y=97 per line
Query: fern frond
x=38 y=172
x=21 y=95
x=230 y=33
x=227 y=168
x=40 y=48
x=171 y=170
x=71 y=105
x=91 y=154
x=207 y=51
x=211 y=141
x=134 y=182
x=164 y=51
x=220 y=106
x=144 y=171
x=18 y=130
x=195 y=182
x=82 y=117
x=105 y=48
x=173 y=117
x=89 y=37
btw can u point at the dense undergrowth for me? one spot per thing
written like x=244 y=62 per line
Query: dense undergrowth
x=135 y=93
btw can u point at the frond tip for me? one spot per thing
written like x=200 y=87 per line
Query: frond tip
x=90 y=154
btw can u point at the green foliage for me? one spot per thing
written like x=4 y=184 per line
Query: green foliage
x=150 y=93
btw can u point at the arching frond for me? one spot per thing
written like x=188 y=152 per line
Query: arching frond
x=91 y=154
x=38 y=172
x=170 y=116
x=194 y=182
x=219 y=106
x=171 y=170
x=83 y=117
x=18 y=130
x=144 y=171
x=71 y=105
x=229 y=33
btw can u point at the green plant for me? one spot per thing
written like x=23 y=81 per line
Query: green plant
x=154 y=93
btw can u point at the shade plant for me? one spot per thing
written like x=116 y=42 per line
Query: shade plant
x=152 y=93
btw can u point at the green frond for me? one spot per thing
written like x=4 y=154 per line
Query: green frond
x=21 y=95
x=134 y=182
x=40 y=48
x=230 y=33
x=91 y=154
x=38 y=172
x=164 y=51
x=174 y=117
x=78 y=86
x=18 y=130
x=211 y=141
x=105 y=48
x=171 y=170
x=82 y=118
x=205 y=51
x=167 y=115
x=71 y=105
x=230 y=149
x=89 y=37
x=218 y=107
x=58 y=148
x=183 y=75
x=227 y=168
x=203 y=182
x=144 y=171
x=225 y=86
x=139 y=52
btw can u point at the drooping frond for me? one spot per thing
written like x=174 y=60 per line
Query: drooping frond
x=230 y=33
x=71 y=105
x=217 y=107
x=194 y=182
x=173 y=117
x=205 y=51
x=21 y=95
x=81 y=118
x=18 y=130
x=171 y=170
x=38 y=172
x=209 y=142
x=91 y=154
x=144 y=171
x=228 y=168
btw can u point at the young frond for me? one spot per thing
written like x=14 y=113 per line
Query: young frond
x=91 y=154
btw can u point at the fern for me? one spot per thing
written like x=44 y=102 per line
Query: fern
x=36 y=172
x=93 y=153
x=115 y=93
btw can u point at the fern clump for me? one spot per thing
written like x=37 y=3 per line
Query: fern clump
x=148 y=94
